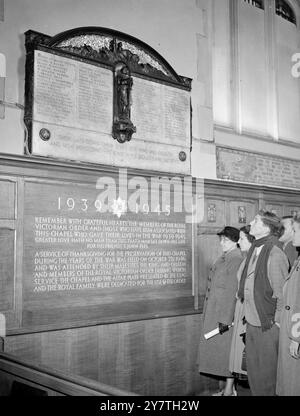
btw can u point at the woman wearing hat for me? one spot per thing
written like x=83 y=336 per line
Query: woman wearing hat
x=288 y=375
x=218 y=311
x=236 y=362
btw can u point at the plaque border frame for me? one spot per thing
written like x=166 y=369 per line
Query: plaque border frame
x=40 y=41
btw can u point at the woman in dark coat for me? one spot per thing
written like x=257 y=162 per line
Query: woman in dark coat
x=218 y=312
x=288 y=373
x=239 y=329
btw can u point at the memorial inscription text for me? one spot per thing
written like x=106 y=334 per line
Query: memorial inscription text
x=112 y=253
x=77 y=253
x=73 y=101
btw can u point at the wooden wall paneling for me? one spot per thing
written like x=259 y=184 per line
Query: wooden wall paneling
x=242 y=211
x=19 y=250
x=291 y=209
x=7 y=287
x=275 y=208
x=84 y=353
x=174 y=333
x=27 y=347
x=282 y=201
x=227 y=213
x=56 y=348
x=290 y=201
x=215 y=218
x=214 y=213
x=109 y=358
x=138 y=349
x=153 y=356
x=147 y=357
x=261 y=202
x=43 y=378
x=8 y=242
x=54 y=169
x=209 y=251
x=8 y=197
x=153 y=373
x=127 y=333
x=198 y=204
x=192 y=336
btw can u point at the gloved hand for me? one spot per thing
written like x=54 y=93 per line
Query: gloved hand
x=223 y=328
x=243 y=336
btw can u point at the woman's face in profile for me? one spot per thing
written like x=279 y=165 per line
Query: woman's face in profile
x=244 y=243
x=226 y=244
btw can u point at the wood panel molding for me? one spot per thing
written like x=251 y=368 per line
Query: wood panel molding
x=54 y=380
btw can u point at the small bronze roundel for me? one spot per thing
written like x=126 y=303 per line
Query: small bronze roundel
x=182 y=156
x=45 y=134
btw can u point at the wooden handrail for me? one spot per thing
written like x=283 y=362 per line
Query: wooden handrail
x=57 y=380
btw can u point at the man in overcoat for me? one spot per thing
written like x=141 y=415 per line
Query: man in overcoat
x=261 y=290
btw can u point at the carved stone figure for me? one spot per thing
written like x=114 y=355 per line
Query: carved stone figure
x=122 y=127
x=124 y=82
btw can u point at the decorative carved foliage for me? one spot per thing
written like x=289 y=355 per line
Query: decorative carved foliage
x=109 y=47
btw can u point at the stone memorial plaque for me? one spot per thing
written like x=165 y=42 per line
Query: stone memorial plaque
x=112 y=109
x=96 y=147
x=85 y=265
x=71 y=93
x=161 y=113
x=238 y=165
